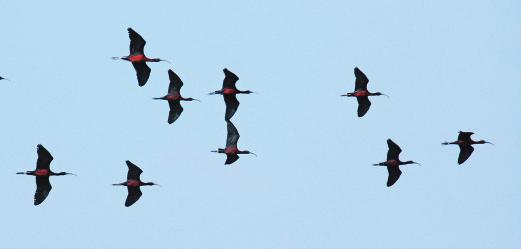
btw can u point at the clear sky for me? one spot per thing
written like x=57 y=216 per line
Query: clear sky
x=447 y=66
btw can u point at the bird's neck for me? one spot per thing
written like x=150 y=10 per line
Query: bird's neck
x=406 y=162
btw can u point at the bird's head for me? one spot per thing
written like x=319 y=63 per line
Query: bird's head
x=63 y=173
x=247 y=92
x=151 y=184
x=379 y=93
x=247 y=152
x=411 y=162
x=483 y=142
x=192 y=99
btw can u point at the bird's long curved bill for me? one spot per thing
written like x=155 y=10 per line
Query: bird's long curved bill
x=489 y=143
x=418 y=164
x=385 y=95
x=166 y=61
x=253 y=154
x=71 y=174
x=155 y=184
x=197 y=100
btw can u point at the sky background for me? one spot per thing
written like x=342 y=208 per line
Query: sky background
x=446 y=65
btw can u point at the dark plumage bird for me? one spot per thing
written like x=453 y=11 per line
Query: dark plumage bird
x=361 y=93
x=133 y=183
x=138 y=58
x=393 y=162
x=42 y=173
x=465 y=145
x=174 y=97
x=229 y=92
x=231 y=150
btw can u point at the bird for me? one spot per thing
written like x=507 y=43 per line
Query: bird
x=229 y=92
x=42 y=173
x=465 y=145
x=133 y=183
x=138 y=58
x=231 y=150
x=393 y=162
x=174 y=96
x=361 y=93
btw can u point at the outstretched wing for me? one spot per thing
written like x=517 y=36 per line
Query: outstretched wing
x=231 y=158
x=44 y=158
x=464 y=153
x=175 y=110
x=134 y=193
x=229 y=79
x=394 y=175
x=233 y=135
x=232 y=104
x=142 y=72
x=465 y=136
x=175 y=82
x=363 y=105
x=43 y=187
x=137 y=43
x=361 y=80
x=134 y=172
x=394 y=150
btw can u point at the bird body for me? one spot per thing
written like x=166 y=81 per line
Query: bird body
x=231 y=150
x=133 y=184
x=393 y=162
x=42 y=174
x=174 y=97
x=138 y=58
x=465 y=143
x=229 y=92
x=361 y=93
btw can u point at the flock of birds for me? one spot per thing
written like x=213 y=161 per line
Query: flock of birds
x=229 y=92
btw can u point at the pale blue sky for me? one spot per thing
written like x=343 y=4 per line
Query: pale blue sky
x=447 y=65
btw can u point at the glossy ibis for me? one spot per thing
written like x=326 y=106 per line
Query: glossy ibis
x=133 y=183
x=393 y=162
x=231 y=149
x=465 y=145
x=174 y=97
x=361 y=93
x=42 y=173
x=138 y=58
x=229 y=92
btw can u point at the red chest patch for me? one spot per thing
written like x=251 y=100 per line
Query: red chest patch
x=361 y=93
x=231 y=150
x=393 y=163
x=42 y=172
x=137 y=58
x=173 y=97
x=133 y=183
x=229 y=91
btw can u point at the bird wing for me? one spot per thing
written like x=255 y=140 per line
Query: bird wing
x=134 y=172
x=142 y=72
x=231 y=158
x=233 y=134
x=465 y=136
x=43 y=187
x=229 y=79
x=361 y=80
x=394 y=150
x=175 y=82
x=134 y=193
x=137 y=43
x=232 y=104
x=363 y=105
x=44 y=158
x=464 y=153
x=175 y=110
x=394 y=174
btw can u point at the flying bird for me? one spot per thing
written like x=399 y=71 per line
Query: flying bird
x=138 y=58
x=231 y=150
x=465 y=145
x=42 y=173
x=393 y=162
x=361 y=93
x=174 y=97
x=229 y=92
x=133 y=183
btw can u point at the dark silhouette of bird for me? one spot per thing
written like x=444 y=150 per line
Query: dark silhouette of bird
x=138 y=58
x=42 y=173
x=393 y=162
x=133 y=183
x=231 y=150
x=229 y=92
x=465 y=145
x=174 y=97
x=361 y=93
